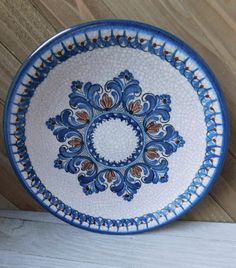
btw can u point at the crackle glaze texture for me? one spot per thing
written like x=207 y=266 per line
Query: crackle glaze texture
x=107 y=62
x=120 y=146
x=119 y=100
x=193 y=105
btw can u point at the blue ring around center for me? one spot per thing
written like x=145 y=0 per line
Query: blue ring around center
x=130 y=122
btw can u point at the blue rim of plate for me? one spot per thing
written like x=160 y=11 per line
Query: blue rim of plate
x=183 y=203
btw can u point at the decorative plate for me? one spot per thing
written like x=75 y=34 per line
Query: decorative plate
x=116 y=126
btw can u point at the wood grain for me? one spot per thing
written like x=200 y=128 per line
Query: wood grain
x=180 y=244
x=11 y=260
x=5 y=204
x=209 y=26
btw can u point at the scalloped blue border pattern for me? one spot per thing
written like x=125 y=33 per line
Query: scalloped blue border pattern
x=16 y=120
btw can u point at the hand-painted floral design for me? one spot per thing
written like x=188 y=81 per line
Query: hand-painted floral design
x=120 y=98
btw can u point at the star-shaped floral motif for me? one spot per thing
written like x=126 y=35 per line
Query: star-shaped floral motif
x=120 y=98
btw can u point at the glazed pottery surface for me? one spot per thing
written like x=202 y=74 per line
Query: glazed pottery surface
x=116 y=126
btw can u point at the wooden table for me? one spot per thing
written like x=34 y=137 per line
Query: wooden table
x=208 y=26
x=38 y=240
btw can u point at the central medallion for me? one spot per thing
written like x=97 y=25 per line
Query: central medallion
x=114 y=136
x=115 y=139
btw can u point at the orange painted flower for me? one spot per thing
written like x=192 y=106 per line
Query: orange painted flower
x=106 y=101
x=110 y=175
x=86 y=165
x=82 y=116
x=135 y=106
x=153 y=127
x=136 y=171
x=76 y=142
x=152 y=153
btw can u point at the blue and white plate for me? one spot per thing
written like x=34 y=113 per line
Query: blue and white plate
x=116 y=126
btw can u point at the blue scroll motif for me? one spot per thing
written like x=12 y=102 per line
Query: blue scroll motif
x=120 y=98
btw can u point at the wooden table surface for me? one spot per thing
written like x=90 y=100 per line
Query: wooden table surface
x=208 y=26
x=40 y=240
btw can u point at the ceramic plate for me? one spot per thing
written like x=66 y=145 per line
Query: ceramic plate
x=116 y=126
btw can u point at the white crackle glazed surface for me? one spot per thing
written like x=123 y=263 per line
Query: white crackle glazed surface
x=98 y=66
